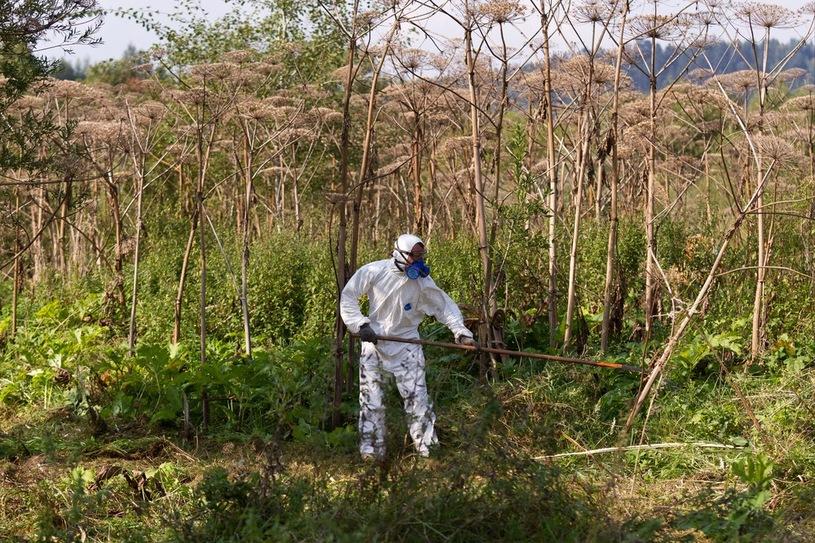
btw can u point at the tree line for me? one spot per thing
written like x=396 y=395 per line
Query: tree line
x=802 y=58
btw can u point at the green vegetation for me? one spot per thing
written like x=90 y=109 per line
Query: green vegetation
x=92 y=441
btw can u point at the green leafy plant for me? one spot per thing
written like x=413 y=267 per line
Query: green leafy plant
x=738 y=515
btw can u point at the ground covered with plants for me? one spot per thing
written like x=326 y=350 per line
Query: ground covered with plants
x=92 y=445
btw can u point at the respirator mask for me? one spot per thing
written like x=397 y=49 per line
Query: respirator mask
x=417 y=269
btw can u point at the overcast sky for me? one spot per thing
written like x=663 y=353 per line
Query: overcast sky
x=117 y=33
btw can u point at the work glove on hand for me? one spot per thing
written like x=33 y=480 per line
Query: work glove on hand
x=465 y=340
x=367 y=334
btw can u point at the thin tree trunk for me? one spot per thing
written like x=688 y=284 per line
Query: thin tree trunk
x=584 y=159
x=247 y=205
x=598 y=190
x=118 y=265
x=203 y=155
x=757 y=336
x=131 y=338
x=416 y=170
x=758 y=324
x=339 y=325
x=16 y=282
x=202 y=307
x=94 y=225
x=805 y=226
x=240 y=189
x=434 y=184
x=281 y=206
x=708 y=184
x=480 y=212
x=650 y=239
x=613 y=219
x=182 y=279
x=36 y=225
x=811 y=138
x=377 y=211
x=551 y=171
x=496 y=335
x=578 y=200
x=62 y=227
x=295 y=194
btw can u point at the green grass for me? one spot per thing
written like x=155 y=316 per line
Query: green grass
x=92 y=445
x=139 y=482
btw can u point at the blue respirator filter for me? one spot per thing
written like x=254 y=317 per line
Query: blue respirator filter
x=417 y=269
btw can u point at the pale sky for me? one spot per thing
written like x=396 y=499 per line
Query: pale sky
x=117 y=33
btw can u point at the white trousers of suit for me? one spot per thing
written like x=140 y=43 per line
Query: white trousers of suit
x=408 y=370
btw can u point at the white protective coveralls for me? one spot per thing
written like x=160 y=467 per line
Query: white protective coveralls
x=397 y=305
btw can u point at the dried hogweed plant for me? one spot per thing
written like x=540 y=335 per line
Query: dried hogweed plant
x=501 y=11
x=765 y=15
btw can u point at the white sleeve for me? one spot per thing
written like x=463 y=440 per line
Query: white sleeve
x=349 y=300
x=439 y=305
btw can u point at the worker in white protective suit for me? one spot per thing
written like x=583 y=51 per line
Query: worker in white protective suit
x=400 y=293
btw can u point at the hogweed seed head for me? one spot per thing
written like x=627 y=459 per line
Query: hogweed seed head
x=738 y=81
x=765 y=15
x=100 y=132
x=659 y=27
x=592 y=11
x=502 y=11
x=150 y=111
x=801 y=103
x=791 y=74
x=774 y=148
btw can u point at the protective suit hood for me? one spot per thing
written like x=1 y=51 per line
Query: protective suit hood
x=402 y=248
x=404 y=244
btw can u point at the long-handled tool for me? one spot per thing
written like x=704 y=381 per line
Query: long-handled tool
x=520 y=354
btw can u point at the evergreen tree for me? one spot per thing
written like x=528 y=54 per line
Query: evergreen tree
x=730 y=61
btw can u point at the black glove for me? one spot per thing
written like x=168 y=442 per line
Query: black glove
x=465 y=340
x=367 y=334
